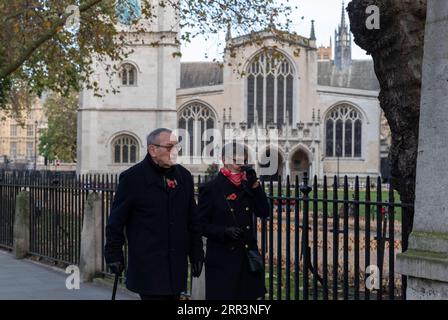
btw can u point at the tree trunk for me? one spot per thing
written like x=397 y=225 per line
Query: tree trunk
x=397 y=52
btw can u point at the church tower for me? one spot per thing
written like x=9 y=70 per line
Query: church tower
x=343 y=44
x=112 y=129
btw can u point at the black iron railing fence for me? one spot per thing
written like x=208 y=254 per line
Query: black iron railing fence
x=323 y=240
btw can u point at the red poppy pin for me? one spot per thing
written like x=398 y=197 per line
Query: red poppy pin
x=171 y=183
x=232 y=197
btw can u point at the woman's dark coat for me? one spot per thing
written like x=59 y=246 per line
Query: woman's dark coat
x=162 y=229
x=226 y=265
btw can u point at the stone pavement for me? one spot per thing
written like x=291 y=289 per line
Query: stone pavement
x=27 y=280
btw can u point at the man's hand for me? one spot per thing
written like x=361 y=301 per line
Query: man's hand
x=233 y=233
x=196 y=268
x=116 y=267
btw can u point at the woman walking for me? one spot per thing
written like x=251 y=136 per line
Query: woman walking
x=234 y=269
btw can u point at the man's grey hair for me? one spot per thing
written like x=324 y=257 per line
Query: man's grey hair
x=152 y=137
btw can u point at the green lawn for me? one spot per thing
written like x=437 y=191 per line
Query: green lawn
x=350 y=197
x=340 y=194
x=283 y=291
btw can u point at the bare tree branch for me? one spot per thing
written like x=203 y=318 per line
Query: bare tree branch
x=56 y=25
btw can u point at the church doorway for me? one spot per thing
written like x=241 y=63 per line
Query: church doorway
x=300 y=163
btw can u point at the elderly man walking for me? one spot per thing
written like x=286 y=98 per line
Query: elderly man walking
x=154 y=208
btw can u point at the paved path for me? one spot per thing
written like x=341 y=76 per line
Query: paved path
x=27 y=280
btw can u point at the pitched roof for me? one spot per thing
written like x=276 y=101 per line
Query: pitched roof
x=360 y=75
x=200 y=74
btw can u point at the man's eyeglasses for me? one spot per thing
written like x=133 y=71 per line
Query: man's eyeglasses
x=169 y=148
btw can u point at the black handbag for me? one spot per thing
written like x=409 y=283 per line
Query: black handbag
x=255 y=260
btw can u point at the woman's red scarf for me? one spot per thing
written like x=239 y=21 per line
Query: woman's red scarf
x=235 y=178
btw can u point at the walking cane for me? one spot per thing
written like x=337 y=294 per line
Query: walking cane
x=114 y=291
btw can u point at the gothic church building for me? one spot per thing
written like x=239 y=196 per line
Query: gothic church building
x=325 y=113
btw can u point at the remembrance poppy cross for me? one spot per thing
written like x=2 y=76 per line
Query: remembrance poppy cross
x=231 y=197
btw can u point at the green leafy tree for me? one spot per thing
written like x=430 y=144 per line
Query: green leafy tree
x=44 y=48
x=58 y=141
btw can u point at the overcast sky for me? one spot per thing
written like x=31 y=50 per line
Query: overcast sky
x=326 y=13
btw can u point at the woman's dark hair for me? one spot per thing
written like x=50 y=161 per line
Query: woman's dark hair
x=233 y=149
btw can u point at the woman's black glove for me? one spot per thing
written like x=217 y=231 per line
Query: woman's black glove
x=234 y=233
x=251 y=176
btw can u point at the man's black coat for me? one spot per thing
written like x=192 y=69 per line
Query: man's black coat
x=227 y=275
x=161 y=225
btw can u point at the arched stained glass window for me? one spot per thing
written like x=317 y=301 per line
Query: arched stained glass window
x=128 y=75
x=196 y=118
x=125 y=149
x=343 y=132
x=270 y=84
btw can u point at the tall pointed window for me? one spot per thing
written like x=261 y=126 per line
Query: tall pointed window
x=343 y=132
x=128 y=75
x=125 y=149
x=270 y=84
x=195 y=119
x=13 y=149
